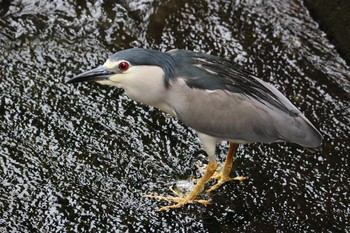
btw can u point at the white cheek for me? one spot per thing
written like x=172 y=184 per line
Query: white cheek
x=144 y=84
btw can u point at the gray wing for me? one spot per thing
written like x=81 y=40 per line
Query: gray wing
x=222 y=100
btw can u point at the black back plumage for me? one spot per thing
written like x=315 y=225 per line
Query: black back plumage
x=209 y=72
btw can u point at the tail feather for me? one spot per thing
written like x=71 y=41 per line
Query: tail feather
x=302 y=132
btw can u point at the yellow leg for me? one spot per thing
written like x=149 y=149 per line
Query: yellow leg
x=191 y=197
x=224 y=175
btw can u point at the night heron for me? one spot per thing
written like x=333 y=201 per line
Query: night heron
x=211 y=95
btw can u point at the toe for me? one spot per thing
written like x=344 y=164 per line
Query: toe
x=165 y=208
x=179 y=201
x=214 y=187
x=224 y=179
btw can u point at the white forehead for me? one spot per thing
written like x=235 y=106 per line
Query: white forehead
x=111 y=64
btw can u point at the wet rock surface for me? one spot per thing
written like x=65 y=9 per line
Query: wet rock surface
x=80 y=157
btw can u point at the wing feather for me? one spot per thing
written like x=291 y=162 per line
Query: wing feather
x=218 y=98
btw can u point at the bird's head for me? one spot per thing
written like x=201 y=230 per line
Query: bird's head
x=143 y=74
x=130 y=67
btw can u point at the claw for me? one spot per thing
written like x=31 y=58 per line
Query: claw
x=176 y=192
x=180 y=201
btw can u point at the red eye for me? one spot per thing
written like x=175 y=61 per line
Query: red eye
x=123 y=66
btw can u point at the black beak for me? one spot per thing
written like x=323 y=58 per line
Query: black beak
x=97 y=74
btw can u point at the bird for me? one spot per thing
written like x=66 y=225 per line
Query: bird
x=217 y=98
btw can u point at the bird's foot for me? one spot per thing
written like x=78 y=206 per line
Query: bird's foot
x=180 y=201
x=203 y=169
x=216 y=175
x=191 y=196
x=223 y=179
x=220 y=177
